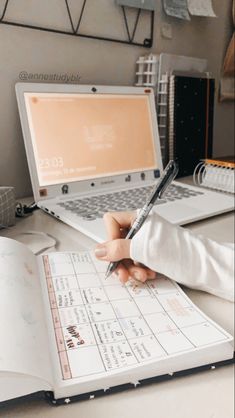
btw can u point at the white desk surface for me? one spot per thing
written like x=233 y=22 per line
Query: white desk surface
x=204 y=395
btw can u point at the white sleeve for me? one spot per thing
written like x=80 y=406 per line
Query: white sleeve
x=185 y=257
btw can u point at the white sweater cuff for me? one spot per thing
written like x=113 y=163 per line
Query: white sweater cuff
x=181 y=255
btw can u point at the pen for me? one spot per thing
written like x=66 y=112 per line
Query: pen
x=165 y=179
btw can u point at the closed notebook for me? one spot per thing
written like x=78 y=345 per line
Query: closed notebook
x=217 y=174
x=68 y=332
x=191 y=101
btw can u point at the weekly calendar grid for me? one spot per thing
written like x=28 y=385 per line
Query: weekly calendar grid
x=101 y=325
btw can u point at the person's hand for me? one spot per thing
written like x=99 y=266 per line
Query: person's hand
x=117 y=248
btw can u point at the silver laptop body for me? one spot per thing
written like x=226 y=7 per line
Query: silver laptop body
x=96 y=148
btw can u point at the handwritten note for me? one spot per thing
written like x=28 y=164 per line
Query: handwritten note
x=176 y=8
x=101 y=325
x=201 y=8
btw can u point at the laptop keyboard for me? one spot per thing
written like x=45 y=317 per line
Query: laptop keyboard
x=94 y=207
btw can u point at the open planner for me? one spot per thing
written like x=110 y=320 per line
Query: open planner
x=74 y=335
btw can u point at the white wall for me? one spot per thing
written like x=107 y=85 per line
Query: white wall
x=97 y=62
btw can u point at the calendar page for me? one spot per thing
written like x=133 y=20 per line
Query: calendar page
x=102 y=326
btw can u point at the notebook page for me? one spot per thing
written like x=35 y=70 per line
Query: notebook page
x=23 y=347
x=101 y=327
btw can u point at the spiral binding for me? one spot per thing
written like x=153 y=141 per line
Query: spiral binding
x=216 y=175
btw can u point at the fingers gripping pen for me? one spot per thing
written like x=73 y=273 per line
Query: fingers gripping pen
x=164 y=181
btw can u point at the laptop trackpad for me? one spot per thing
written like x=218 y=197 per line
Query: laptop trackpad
x=178 y=212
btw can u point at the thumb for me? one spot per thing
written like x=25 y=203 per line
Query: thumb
x=115 y=250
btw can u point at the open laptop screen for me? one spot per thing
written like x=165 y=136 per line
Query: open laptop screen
x=83 y=136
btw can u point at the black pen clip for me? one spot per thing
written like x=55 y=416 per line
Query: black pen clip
x=169 y=174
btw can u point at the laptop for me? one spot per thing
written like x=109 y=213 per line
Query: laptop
x=92 y=149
